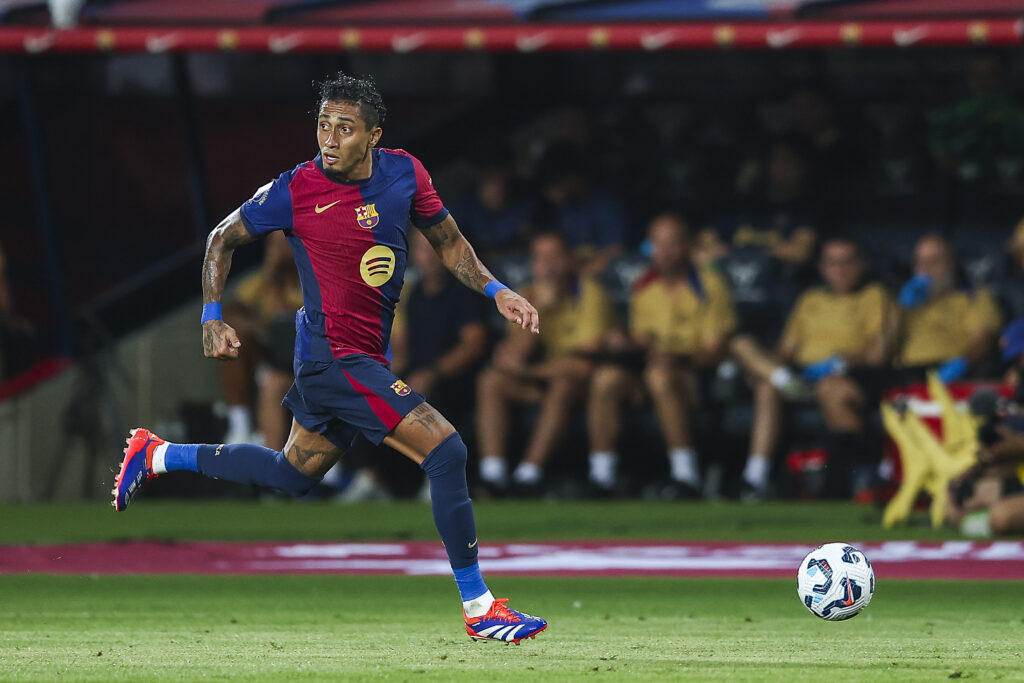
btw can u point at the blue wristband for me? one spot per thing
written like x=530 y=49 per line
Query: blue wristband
x=211 y=311
x=493 y=287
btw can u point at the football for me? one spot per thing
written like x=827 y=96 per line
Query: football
x=835 y=581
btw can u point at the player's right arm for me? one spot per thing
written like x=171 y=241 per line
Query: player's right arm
x=220 y=339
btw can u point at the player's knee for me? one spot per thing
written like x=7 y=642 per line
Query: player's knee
x=448 y=456
x=292 y=479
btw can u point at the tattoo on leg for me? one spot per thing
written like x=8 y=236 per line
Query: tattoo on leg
x=424 y=416
x=302 y=457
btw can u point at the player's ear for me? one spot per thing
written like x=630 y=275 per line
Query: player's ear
x=375 y=136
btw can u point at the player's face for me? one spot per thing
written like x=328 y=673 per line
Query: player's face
x=549 y=260
x=345 y=140
x=932 y=258
x=841 y=266
x=671 y=244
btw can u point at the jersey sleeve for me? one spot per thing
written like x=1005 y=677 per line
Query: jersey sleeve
x=270 y=208
x=427 y=207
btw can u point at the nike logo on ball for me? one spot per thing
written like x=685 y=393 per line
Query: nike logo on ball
x=321 y=209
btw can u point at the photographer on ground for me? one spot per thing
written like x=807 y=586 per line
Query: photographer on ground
x=989 y=497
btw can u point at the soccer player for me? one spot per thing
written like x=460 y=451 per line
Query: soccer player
x=345 y=214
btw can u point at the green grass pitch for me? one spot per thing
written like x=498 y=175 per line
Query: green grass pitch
x=408 y=629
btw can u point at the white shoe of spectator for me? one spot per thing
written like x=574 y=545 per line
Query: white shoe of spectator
x=364 y=488
x=424 y=493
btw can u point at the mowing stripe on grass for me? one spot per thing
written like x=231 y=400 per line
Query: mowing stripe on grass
x=961 y=560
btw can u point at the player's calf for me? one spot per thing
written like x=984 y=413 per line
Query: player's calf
x=147 y=456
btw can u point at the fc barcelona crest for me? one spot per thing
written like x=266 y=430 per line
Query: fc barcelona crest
x=401 y=388
x=367 y=216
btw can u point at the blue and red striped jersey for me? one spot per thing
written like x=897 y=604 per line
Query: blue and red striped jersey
x=350 y=245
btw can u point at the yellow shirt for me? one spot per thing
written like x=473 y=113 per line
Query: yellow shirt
x=943 y=328
x=576 y=322
x=678 y=319
x=823 y=324
x=256 y=294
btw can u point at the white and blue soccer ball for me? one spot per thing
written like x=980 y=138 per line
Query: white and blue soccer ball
x=835 y=581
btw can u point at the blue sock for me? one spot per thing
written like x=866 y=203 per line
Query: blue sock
x=453 y=513
x=181 y=456
x=470 y=582
x=243 y=463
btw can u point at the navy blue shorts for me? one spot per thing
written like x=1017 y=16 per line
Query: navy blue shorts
x=347 y=396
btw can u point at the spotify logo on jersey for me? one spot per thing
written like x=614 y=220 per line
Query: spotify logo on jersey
x=377 y=265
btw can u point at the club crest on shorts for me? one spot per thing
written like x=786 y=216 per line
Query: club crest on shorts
x=401 y=388
x=367 y=216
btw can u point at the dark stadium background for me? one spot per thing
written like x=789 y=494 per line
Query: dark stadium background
x=118 y=159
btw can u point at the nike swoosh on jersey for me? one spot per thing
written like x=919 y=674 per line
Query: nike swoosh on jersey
x=471 y=545
x=321 y=209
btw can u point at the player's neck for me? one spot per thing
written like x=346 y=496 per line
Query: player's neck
x=357 y=174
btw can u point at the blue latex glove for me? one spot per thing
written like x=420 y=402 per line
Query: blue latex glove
x=916 y=291
x=823 y=368
x=952 y=370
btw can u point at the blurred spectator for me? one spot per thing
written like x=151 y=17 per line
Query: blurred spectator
x=438 y=341
x=834 y=341
x=17 y=335
x=966 y=135
x=680 y=321
x=263 y=313
x=593 y=223
x=834 y=160
x=943 y=324
x=549 y=369
x=989 y=497
x=779 y=218
x=491 y=216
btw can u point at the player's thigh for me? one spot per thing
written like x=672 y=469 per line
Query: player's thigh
x=311 y=453
x=419 y=432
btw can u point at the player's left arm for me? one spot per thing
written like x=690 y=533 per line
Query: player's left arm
x=459 y=257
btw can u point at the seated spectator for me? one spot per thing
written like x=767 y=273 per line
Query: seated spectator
x=779 y=218
x=491 y=216
x=263 y=313
x=942 y=324
x=989 y=497
x=438 y=341
x=680 y=319
x=834 y=341
x=592 y=222
x=549 y=369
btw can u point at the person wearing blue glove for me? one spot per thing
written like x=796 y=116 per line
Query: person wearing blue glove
x=916 y=291
x=838 y=335
x=943 y=326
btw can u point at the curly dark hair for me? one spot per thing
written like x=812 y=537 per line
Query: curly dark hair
x=344 y=88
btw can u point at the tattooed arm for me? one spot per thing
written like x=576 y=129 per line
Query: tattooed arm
x=219 y=339
x=460 y=258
